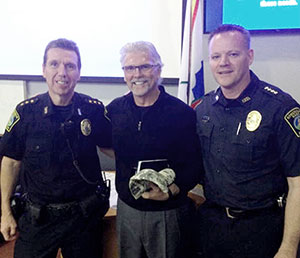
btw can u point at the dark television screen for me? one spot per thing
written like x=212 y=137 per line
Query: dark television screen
x=254 y=15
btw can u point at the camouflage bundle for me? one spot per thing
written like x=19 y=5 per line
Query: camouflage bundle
x=140 y=182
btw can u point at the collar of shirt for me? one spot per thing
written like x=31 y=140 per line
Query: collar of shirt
x=49 y=108
x=244 y=98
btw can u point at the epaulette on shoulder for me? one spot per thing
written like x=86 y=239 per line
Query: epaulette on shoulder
x=32 y=100
x=276 y=93
x=97 y=102
x=93 y=101
x=87 y=99
x=269 y=89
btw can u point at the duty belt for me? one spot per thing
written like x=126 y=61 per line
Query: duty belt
x=235 y=213
x=38 y=212
x=58 y=206
x=61 y=206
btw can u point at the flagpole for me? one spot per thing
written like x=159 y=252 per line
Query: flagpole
x=190 y=51
x=185 y=64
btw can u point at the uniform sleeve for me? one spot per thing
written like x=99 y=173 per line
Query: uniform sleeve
x=288 y=134
x=12 y=143
x=104 y=130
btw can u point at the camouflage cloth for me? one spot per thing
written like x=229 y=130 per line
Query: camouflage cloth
x=140 y=182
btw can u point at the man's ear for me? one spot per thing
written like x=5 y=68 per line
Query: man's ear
x=78 y=77
x=251 y=56
x=43 y=68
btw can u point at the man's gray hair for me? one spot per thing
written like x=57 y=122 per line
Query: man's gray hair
x=140 y=46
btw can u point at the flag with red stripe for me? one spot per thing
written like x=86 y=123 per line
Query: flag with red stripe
x=191 y=81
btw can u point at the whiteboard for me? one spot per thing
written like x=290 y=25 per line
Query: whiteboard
x=99 y=27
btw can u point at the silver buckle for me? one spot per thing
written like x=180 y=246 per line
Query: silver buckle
x=228 y=214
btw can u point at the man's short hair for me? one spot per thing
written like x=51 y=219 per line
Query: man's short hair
x=231 y=27
x=64 y=44
x=140 y=46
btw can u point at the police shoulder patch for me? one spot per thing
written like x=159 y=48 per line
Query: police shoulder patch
x=14 y=118
x=293 y=120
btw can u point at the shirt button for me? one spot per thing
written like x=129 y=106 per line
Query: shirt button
x=37 y=147
x=218 y=171
x=222 y=129
x=218 y=150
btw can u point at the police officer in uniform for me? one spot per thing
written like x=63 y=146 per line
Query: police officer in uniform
x=51 y=139
x=250 y=138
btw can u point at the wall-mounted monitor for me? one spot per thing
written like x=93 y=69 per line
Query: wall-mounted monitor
x=254 y=15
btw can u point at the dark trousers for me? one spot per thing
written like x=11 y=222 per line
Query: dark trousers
x=77 y=235
x=256 y=235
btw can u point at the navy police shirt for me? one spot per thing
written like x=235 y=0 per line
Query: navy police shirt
x=48 y=138
x=249 y=145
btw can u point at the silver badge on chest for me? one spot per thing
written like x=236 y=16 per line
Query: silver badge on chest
x=86 y=127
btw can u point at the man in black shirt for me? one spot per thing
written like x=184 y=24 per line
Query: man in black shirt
x=150 y=124
x=51 y=139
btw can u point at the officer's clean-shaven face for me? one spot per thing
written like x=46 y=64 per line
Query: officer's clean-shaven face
x=61 y=72
x=229 y=59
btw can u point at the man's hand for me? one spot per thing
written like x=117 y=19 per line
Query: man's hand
x=8 y=227
x=158 y=195
x=9 y=175
x=285 y=253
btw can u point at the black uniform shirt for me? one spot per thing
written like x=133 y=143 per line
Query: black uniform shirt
x=250 y=145
x=37 y=135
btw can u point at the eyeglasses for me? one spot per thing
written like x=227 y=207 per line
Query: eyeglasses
x=130 y=69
